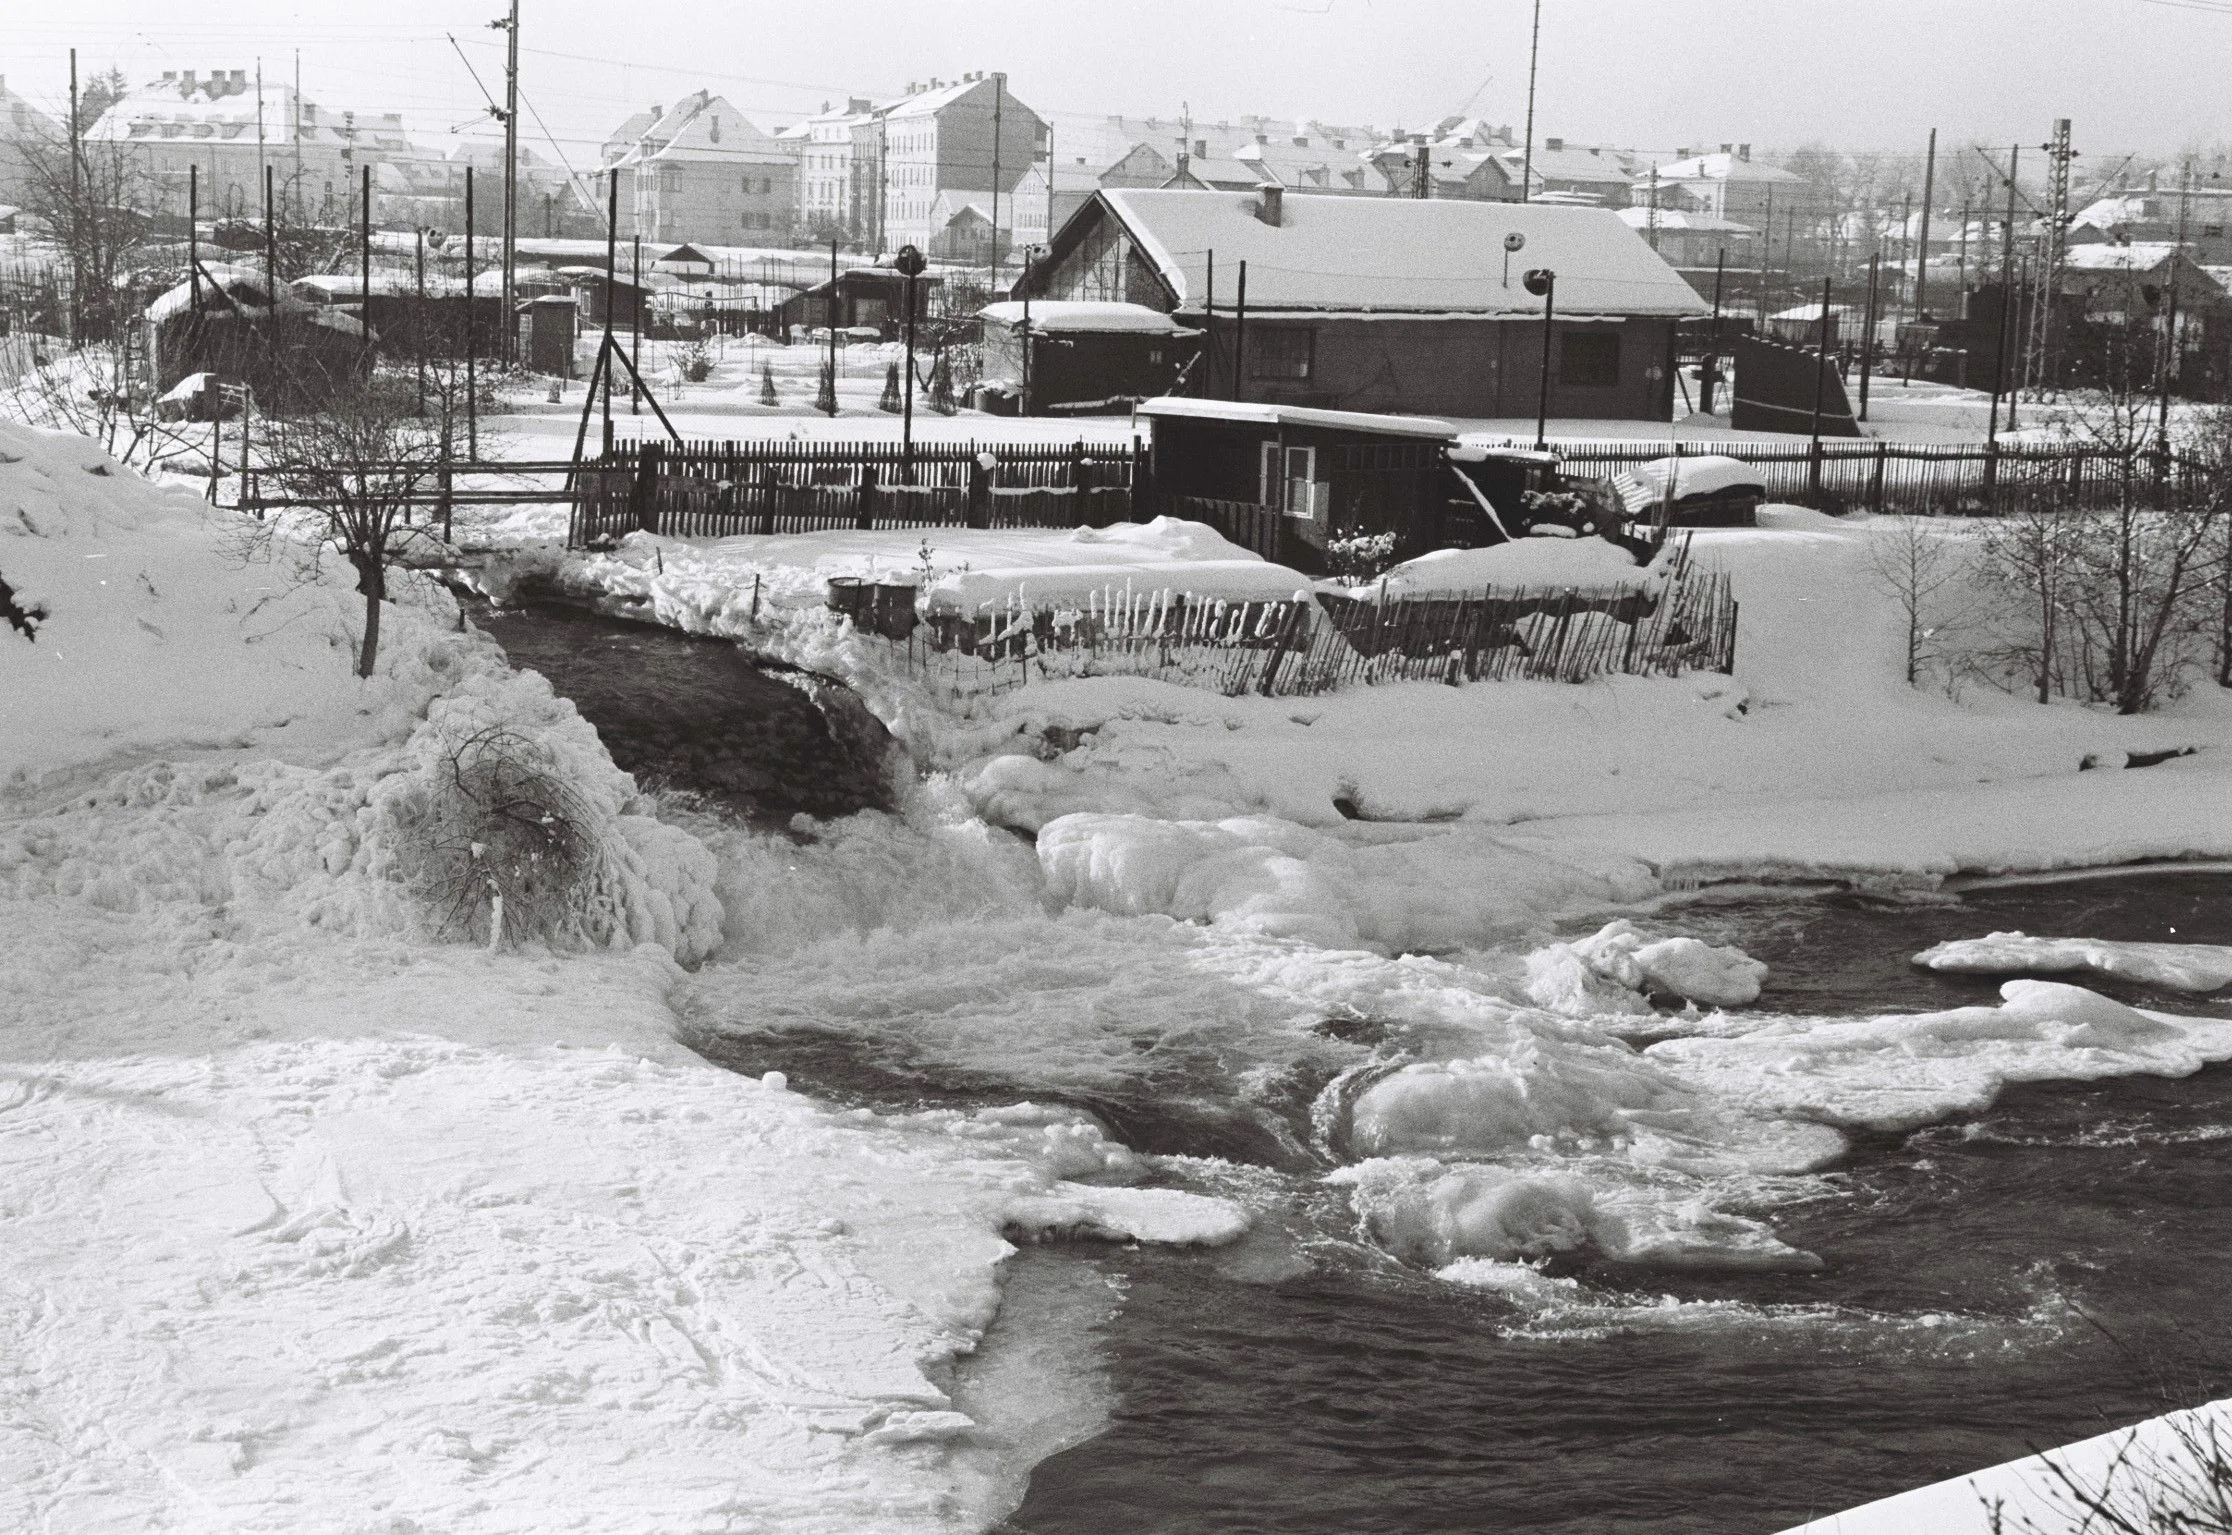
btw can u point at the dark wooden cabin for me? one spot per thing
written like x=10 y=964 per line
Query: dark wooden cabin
x=1286 y=480
x=1083 y=357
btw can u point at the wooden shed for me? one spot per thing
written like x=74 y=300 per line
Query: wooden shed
x=1082 y=357
x=1286 y=480
x=546 y=334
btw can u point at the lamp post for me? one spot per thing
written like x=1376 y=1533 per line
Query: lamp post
x=909 y=264
x=1543 y=283
x=1031 y=254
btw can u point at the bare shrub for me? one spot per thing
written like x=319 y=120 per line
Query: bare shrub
x=1919 y=567
x=502 y=851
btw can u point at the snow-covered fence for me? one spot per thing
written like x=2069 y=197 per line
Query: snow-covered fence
x=1301 y=646
x=1249 y=524
x=1878 y=475
x=725 y=489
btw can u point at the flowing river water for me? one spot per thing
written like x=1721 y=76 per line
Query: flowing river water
x=1992 y=1285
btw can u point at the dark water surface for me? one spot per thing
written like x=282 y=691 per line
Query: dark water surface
x=2034 y=1275
x=690 y=713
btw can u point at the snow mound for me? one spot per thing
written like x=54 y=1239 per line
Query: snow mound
x=1586 y=563
x=1687 y=968
x=156 y=630
x=2177 y=966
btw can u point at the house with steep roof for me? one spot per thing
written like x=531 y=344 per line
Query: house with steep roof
x=2199 y=216
x=706 y=172
x=1727 y=185
x=1388 y=303
x=1591 y=177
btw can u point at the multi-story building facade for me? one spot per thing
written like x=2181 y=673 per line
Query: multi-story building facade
x=830 y=192
x=707 y=174
x=24 y=132
x=968 y=136
x=221 y=127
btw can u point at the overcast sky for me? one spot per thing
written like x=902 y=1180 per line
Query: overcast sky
x=2144 y=75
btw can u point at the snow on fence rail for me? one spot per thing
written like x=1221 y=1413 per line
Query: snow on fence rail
x=721 y=489
x=1877 y=475
x=1305 y=646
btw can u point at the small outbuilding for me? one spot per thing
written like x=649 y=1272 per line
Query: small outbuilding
x=1288 y=480
x=547 y=326
x=1078 y=357
x=874 y=297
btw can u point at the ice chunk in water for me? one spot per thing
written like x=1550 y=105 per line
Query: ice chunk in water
x=2178 y=966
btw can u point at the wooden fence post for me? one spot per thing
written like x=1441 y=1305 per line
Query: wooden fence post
x=866 y=516
x=1290 y=630
x=1875 y=492
x=1991 y=477
x=442 y=490
x=643 y=497
x=980 y=494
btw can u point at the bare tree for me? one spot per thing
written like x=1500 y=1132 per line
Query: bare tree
x=364 y=468
x=1918 y=566
x=2127 y=585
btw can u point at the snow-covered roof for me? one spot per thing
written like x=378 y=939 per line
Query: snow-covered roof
x=1399 y=255
x=1178 y=408
x=1723 y=167
x=1082 y=315
x=2139 y=256
x=1704 y=475
x=1685 y=220
x=1587 y=165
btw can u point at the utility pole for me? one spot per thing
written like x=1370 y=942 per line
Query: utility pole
x=364 y=250
x=1868 y=331
x=1709 y=374
x=2053 y=258
x=2007 y=291
x=263 y=170
x=1766 y=253
x=509 y=26
x=295 y=114
x=1922 y=266
x=271 y=243
x=1240 y=338
x=999 y=101
x=472 y=349
x=1534 y=54
x=77 y=212
x=635 y=337
x=1653 y=214
x=2170 y=353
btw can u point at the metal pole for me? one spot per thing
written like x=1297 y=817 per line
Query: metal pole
x=999 y=101
x=418 y=321
x=271 y=240
x=1922 y=263
x=1710 y=373
x=906 y=419
x=193 y=240
x=1209 y=332
x=472 y=347
x=1821 y=367
x=1868 y=332
x=1240 y=338
x=2007 y=282
x=364 y=255
x=612 y=276
x=1023 y=399
x=77 y=224
x=511 y=167
x=829 y=314
x=1534 y=53
x=1549 y=318
x=635 y=337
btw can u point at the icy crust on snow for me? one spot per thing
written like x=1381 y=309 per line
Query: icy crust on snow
x=2177 y=966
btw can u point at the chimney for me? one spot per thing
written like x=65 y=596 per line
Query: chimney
x=1201 y=149
x=1728 y=149
x=1270 y=204
x=240 y=82
x=1553 y=143
x=185 y=82
x=1743 y=152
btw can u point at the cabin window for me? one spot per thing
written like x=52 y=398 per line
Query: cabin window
x=1287 y=480
x=1281 y=352
x=1589 y=359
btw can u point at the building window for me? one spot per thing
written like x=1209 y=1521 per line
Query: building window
x=2212 y=231
x=1280 y=352
x=1589 y=359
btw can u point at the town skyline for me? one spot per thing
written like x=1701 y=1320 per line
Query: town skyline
x=1627 y=75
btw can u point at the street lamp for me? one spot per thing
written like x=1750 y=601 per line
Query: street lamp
x=1031 y=254
x=909 y=264
x=1543 y=284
